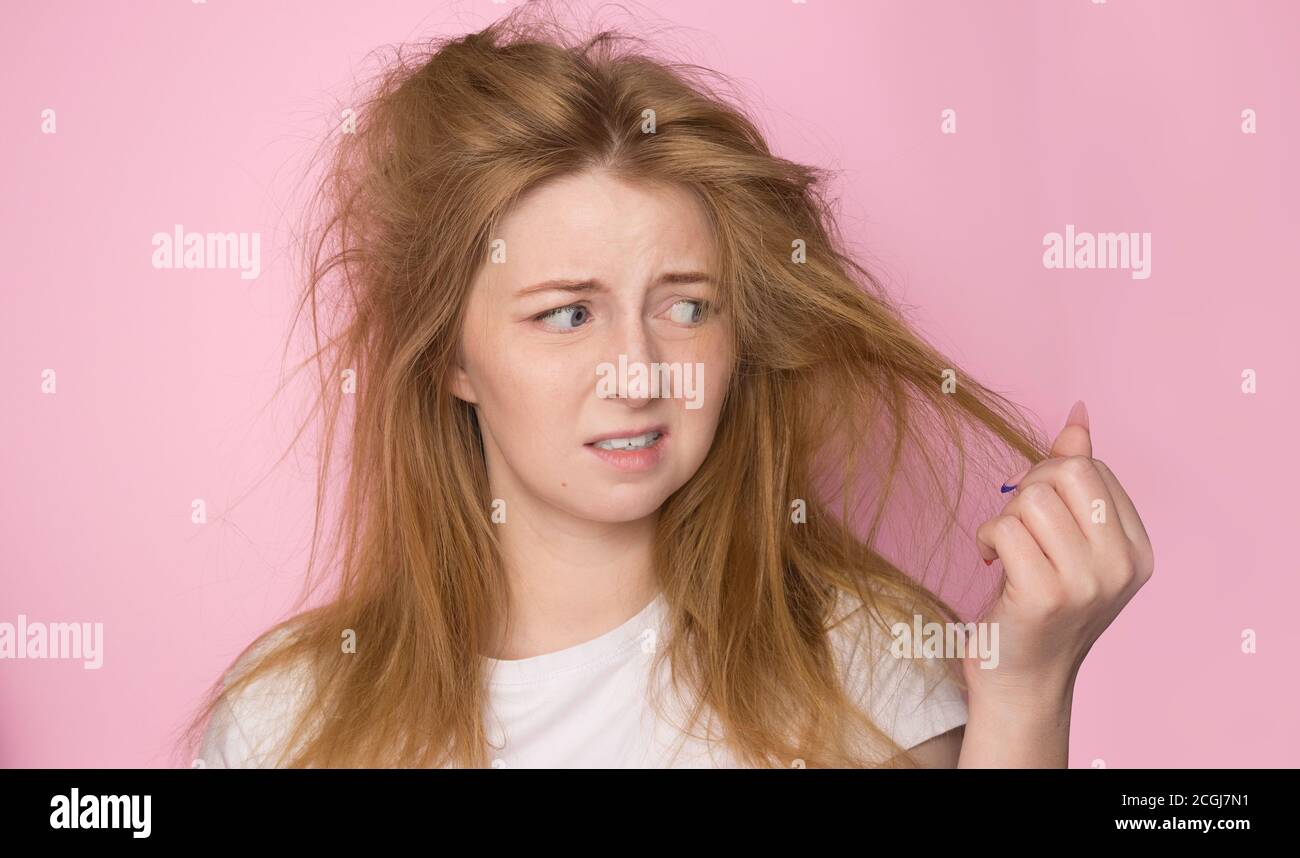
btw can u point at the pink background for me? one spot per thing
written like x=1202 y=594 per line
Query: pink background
x=1123 y=116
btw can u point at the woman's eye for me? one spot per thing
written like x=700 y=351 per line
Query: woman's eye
x=689 y=311
x=575 y=313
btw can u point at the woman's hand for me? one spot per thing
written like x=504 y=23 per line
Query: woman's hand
x=1074 y=552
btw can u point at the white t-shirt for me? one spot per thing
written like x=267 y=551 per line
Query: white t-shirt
x=587 y=706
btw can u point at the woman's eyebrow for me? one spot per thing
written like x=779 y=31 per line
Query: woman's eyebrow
x=562 y=285
x=672 y=278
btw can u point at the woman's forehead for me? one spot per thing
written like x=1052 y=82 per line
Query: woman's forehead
x=599 y=214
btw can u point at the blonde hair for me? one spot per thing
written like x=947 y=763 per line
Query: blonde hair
x=833 y=391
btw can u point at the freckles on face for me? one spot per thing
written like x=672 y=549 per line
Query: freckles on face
x=596 y=269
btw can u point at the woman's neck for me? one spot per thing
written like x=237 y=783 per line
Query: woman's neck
x=569 y=579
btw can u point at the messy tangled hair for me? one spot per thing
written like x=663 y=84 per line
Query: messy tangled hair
x=835 y=406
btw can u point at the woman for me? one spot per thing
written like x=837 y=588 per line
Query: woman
x=546 y=560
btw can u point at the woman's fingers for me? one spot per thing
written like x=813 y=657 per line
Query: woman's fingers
x=1124 y=508
x=1029 y=574
x=1131 y=521
x=1103 y=514
x=1075 y=439
x=1050 y=521
x=1082 y=521
x=1079 y=482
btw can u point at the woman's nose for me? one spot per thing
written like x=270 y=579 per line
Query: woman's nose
x=632 y=350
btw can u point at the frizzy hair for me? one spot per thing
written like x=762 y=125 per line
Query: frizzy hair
x=833 y=401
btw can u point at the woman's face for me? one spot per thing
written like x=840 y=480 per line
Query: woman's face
x=596 y=272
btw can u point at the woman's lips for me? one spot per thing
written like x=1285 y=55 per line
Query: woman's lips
x=633 y=460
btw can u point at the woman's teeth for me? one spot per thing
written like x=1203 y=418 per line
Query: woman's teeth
x=640 y=442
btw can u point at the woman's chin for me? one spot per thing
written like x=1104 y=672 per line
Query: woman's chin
x=614 y=507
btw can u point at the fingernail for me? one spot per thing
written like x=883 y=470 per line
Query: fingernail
x=1010 y=485
x=1078 y=414
x=988 y=562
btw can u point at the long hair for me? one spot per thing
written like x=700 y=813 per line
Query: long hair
x=833 y=400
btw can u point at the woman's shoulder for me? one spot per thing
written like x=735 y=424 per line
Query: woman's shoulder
x=249 y=727
x=910 y=699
